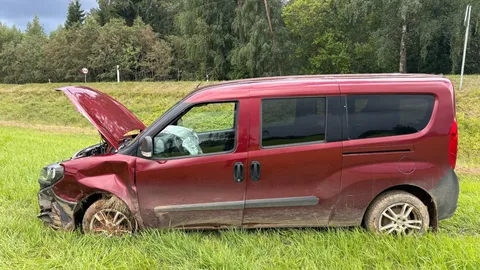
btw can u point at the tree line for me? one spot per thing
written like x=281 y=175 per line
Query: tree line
x=230 y=39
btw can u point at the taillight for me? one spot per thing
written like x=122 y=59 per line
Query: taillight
x=453 y=144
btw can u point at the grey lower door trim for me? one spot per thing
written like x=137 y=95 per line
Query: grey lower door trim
x=232 y=205
x=237 y=205
x=282 y=202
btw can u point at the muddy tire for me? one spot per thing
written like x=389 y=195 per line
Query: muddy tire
x=397 y=212
x=110 y=217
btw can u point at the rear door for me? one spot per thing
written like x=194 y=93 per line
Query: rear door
x=384 y=131
x=294 y=161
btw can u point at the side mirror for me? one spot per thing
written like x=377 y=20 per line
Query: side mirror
x=146 y=147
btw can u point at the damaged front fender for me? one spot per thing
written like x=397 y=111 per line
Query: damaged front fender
x=114 y=174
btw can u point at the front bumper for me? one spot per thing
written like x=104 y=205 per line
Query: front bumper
x=55 y=211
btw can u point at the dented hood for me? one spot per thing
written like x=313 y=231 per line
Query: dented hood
x=110 y=117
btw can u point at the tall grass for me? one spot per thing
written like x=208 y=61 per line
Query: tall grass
x=25 y=243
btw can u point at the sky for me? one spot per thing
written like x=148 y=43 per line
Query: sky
x=52 y=13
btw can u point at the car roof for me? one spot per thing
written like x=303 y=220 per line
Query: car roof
x=336 y=77
x=241 y=87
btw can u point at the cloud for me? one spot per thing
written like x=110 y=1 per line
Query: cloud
x=52 y=13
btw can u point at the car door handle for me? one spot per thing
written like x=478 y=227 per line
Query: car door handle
x=255 y=171
x=238 y=172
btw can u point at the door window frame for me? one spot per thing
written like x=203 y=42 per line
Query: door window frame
x=186 y=110
x=346 y=128
x=292 y=144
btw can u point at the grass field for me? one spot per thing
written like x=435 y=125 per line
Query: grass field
x=52 y=130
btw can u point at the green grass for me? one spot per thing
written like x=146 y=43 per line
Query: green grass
x=468 y=116
x=55 y=131
x=26 y=243
x=40 y=104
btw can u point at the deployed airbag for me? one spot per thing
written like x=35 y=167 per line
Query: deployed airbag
x=177 y=139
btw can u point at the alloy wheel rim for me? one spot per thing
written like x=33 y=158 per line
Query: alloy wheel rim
x=400 y=218
x=110 y=222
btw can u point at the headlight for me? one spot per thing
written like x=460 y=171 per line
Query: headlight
x=50 y=174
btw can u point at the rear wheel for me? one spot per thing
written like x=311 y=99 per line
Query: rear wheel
x=110 y=217
x=399 y=213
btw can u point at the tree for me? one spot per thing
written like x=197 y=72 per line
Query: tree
x=159 y=14
x=103 y=13
x=431 y=51
x=261 y=45
x=189 y=39
x=329 y=38
x=204 y=39
x=472 y=61
x=75 y=15
x=8 y=34
x=157 y=60
x=376 y=35
x=408 y=32
x=22 y=61
x=67 y=52
x=136 y=49
x=404 y=15
x=126 y=9
x=9 y=39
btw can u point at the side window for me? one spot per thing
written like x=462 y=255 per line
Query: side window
x=293 y=120
x=371 y=116
x=210 y=117
x=204 y=129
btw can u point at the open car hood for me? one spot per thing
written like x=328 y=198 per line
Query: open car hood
x=110 y=117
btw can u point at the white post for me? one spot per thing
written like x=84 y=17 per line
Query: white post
x=466 y=22
x=85 y=77
x=118 y=74
x=207 y=77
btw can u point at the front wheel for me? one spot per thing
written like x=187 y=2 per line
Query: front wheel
x=110 y=217
x=399 y=213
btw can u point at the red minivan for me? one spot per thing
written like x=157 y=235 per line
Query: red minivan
x=375 y=150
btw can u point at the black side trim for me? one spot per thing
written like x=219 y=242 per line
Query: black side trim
x=233 y=205
x=445 y=194
x=334 y=119
x=344 y=110
x=237 y=205
x=282 y=202
x=376 y=152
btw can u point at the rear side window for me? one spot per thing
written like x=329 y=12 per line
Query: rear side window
x=371 y=116
x=293 y=120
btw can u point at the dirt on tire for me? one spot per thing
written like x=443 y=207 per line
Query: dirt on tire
x=110 y=202
x=382 y=202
